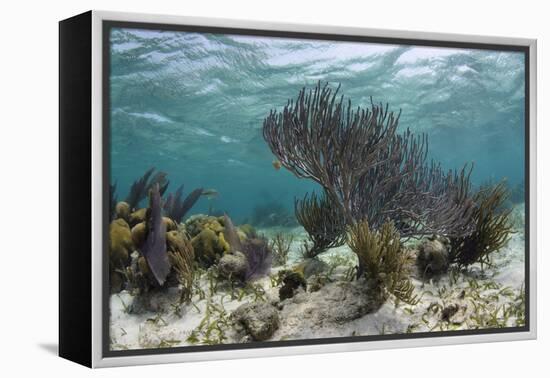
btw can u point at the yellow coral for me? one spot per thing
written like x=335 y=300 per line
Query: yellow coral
x=223 y=244
x=242 y=236
x=122 y=210
x=176 y=241
x=139 y=232
x=120 y=248
x=214 y=225
x=138 y=216
x=120 y=243
x=207 y=247
x=169 y=223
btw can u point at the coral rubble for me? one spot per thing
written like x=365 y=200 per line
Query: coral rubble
x=258 y=320
x=433 y=256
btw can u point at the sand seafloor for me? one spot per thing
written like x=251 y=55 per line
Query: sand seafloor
x=473 y=298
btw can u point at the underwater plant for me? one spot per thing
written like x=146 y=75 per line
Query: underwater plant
x=280 y=247
x=256 y=250
x=323 y=222
x=492 y=228
x=381 y=258
x=182 y=257
x=365 y=167
x=175 y=208
x=141 y=187
x=259 y=257
x=154 y=247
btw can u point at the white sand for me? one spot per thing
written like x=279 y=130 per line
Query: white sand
x=483 y=299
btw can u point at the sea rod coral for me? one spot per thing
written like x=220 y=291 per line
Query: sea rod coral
x=366 y=167
x=492 y=228
x=381 y=259
x=323 y=222
x=175 y=208
x=141 y=187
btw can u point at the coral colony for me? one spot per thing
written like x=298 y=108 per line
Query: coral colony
x=387 y=232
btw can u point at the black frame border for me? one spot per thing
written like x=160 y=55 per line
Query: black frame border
x=75 y=189
x=108 y=25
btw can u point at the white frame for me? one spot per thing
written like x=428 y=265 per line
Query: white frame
x=97 y=189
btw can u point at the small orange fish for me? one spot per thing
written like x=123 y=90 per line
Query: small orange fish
x=277 y=164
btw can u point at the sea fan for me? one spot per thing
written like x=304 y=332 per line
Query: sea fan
x=175 y=208
x=154 y=248
x=257 y=250
x=141 y=187
x=259 y=256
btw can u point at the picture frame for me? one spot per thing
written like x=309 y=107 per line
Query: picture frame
x=85 y=110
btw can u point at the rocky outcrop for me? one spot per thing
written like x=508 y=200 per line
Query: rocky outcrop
x=334 y=303
x=311 y=267
x=258 y=321
x=291 y=281
x=433 y=257
x=233 y=266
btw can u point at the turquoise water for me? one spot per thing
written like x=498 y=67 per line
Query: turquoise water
x=192 y=105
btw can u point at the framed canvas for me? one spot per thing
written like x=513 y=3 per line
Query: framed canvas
x=235 y=189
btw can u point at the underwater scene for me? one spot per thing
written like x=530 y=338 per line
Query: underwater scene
x=267 y=189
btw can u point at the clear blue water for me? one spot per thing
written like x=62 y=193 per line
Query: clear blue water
x=192 y=105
